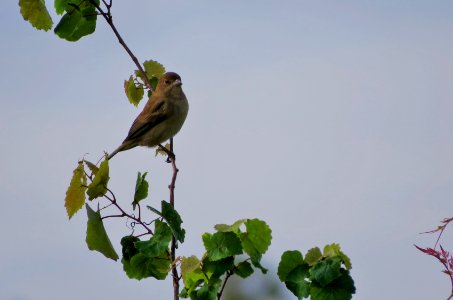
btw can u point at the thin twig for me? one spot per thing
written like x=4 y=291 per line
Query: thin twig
x=228 y=275
x=125 y=214
x=108 y=18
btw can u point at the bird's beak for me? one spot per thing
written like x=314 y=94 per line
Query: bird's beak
x=177 y=82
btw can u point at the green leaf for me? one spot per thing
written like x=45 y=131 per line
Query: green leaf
x=129 y=249
x=79 y=20
x=75 y=195
x=313 y=256
x=215 y=269
x=333 y=250
x=208 y=291
x=289 y=261
x=174 y=221
x=188 y=265
x=256 y=239
x=221 y=245
x=341 y=288
x=158 y=244
x=96 y=237
x=193 y=278
x=98 y=187
x=141 y=189
x=233 y=228
x=153 y=69
x=35 y=12
x=133 y=93
x=327 y=270
x=141 y=266
x=61 y=6
x=296 y=282
x=244 y=269
x=93 y=168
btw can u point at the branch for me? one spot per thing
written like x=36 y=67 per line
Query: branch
x=228 y=275
x=124 y=213
x=108 y=18
x=171 y=187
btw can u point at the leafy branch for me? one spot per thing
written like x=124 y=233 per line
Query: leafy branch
x=443 y=256
x=108 y=18
x=231 y=250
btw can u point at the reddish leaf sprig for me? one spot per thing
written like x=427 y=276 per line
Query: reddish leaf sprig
x=443 y=256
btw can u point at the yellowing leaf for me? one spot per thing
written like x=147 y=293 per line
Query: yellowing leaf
x=153 y=69
x=35 y=12
x=75 y=195
x=133 y=93
x=98 y=187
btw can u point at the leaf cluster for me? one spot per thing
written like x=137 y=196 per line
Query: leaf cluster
x=78 y=19
x=320 y=275
x=231 y=250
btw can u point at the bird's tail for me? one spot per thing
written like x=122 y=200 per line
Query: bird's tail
x=124 y=146
x=113 y=153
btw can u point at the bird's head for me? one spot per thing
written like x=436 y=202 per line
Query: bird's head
x=169 y=83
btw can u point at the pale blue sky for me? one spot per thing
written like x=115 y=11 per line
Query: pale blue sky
x=331 y=120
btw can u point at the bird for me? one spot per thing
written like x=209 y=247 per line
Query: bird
x=161 y=118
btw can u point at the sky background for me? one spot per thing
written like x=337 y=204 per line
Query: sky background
x=330 y=120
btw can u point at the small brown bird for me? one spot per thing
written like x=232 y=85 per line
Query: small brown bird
x=161 y=118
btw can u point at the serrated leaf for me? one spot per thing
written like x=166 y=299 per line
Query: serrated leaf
x=77 y=22
x=93 y=168
x=327 y=270
x=128 y=245
x=191 y=273
x=256 y=239
x=35 y=12
x=341 y=288
x=221 y=245
x=313 y=256
x=243 y=269
x=133 y=93
x=296 y=282
x=234 y=227
x=174 y=221
x=141 y=266
x=189 y=264
x=333 y=250
x=96 y=237
x=75 y=194
x=153 y=69
x=290 y=260
x=141 y=189
x=157 y=245
x=98 y=187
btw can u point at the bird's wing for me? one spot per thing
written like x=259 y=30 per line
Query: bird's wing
x=149 y=118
